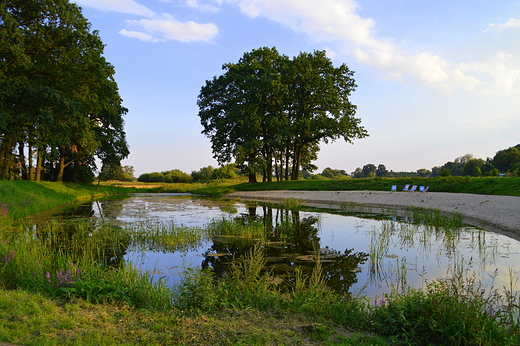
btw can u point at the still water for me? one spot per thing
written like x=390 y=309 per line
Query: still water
x=359 y=255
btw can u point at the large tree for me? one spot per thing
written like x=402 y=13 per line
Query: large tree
x=268 y=109
x=58 y=99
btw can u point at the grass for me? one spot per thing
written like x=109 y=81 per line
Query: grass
x=509 y=186
x=61 y=288
x=58 y=289
x=20 y=198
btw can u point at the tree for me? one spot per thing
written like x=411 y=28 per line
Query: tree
x=58 y=98
x=369 y=170
x=473 y=167
x=319 y=107
x=423 y=172
x=381 y=171
x=270 y=111
x=505 y=159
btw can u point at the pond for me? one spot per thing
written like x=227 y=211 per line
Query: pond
x=360 y=254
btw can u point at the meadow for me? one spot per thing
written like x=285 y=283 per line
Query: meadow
x=58 y=286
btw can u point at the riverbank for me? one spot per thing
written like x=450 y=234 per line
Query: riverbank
x=492 y=212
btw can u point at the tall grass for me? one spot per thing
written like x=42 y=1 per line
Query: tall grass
x=76 y=261
x=455 y=311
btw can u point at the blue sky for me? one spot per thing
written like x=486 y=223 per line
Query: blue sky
x=436 y=79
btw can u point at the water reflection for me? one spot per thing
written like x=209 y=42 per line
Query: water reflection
x=358 y=255
x=292 y=242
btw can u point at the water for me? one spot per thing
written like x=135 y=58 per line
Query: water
x=360 y=256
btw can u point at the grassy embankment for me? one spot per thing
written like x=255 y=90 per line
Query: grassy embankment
x=54 y=291
x=483 y=185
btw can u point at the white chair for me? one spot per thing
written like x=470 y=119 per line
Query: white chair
x=423 y=189
x=406 y=187
x=413 y=188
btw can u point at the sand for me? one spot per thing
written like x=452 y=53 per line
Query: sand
x=494 y=213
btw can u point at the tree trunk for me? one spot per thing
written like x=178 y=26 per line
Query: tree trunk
x=23 y=164
x=30 y=158
x=252 y=177
x=287 y=164
x=296 y=164
x=269 y=168
x=39 y=162
x=6 y=151
x=61 y=167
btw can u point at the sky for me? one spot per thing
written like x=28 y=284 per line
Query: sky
x=436 y=79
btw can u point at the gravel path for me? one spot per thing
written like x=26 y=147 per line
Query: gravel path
x=496 y=213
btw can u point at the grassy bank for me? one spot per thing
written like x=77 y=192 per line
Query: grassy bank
x=19 y=198
x=509 y=186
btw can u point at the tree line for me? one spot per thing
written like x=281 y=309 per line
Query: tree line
x=268 y=113
x=228 y=171
x=60 y=106
x=506 y=161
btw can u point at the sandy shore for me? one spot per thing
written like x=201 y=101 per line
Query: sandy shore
x=495 y=213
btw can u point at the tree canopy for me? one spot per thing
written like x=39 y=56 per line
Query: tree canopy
x=59 y=103
x=268 y=111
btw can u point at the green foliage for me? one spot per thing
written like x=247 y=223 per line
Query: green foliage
x=445 y=313
x=507 y=158
x=58 y=99
x=173 y=176
x=204 y=174
x=269 y=111
x=226 y=172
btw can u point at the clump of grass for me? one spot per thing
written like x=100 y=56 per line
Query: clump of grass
x=237 y=227
x=77 y=262
x=438 y=219
x=455 y=311
x=291 y=203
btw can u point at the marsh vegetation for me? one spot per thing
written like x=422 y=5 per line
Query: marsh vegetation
x=258 y=258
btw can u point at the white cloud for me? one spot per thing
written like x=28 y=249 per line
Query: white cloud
x=204 y=8
x=511 y=23
x=502 y=68
x=157 y=28
x=167 y=28
x=337 y=21
x=122 y=6
x=139 y=35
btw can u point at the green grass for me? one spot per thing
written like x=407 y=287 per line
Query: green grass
x=56 y=289
x=19 y=198
x=509 y=186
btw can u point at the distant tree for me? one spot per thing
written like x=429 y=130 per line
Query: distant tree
x=369 y=170
x=226 y=172
x=128 y=173
x=423 y=172
x=111 y=171
x=332 y=173
x=381 y=171
x=445 y=172
x=470 y=167
x=358 y=173
x=205 y=173
x=505 y=159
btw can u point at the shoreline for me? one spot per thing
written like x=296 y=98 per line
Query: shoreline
x=496 y=213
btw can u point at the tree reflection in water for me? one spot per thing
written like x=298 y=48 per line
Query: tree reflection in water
x=290 y=243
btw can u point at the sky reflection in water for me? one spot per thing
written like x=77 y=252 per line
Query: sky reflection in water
x=402 y=254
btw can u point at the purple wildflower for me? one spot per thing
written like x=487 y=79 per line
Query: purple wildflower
x=8 y=257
